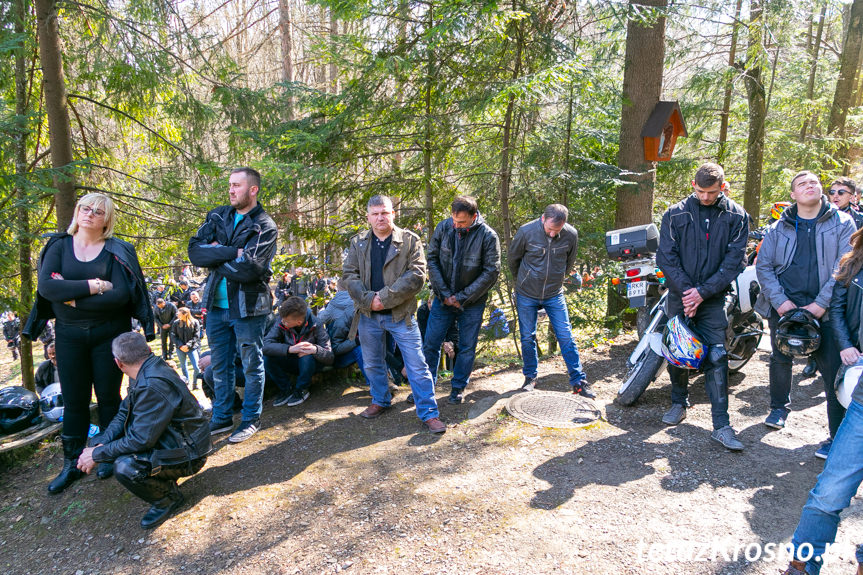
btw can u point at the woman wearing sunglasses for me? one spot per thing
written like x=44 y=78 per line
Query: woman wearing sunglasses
x=92 y=283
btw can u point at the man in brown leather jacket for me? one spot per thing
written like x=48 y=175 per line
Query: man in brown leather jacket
x=383 y=271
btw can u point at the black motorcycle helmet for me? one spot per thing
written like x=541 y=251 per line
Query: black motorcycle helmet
x=19 y=409
x=798 y=333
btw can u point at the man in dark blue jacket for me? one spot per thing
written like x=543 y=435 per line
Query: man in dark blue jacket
x=701 y=250
x=237 y=243
x=463 y=264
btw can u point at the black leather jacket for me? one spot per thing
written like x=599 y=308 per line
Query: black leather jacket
x=845 y=312
x=247 y=276
x=159 y=419
x=279 y=340
x=480 y=262
x=540 y=263
x=124 y=253
x=855 y=215
x=688 y=258
x=184 y=334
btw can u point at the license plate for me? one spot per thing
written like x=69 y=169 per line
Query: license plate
x=636 y=289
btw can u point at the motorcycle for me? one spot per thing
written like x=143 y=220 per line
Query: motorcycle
x=636 y=249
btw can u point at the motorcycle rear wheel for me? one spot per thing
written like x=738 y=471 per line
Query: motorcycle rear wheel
x=639 y=376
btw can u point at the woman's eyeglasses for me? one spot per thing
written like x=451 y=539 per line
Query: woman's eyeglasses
x=87 y=210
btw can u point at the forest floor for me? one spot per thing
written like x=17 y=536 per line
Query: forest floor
x=320 y=490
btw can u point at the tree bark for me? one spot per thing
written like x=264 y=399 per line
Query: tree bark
x=286 y=29
x=427 y=142
x=756 y=95
x=848 y=67
x=507 y=145
x=54 y=89
x=25 y=265
x=813 y=69
x=642 y=88
x=729 y=86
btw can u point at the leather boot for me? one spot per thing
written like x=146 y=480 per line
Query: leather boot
x=795 y=568
x=162 y=509
x=104 y=470
x=72 y=447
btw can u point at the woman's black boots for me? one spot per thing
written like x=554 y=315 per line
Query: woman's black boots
x=72 y=447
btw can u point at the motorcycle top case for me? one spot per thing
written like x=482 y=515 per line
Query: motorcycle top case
x=632 y=243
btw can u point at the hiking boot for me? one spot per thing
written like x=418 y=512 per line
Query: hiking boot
x=373 y=411
x=529 y=384
x=245 y=430
x=584 y=389
x=456 y=396
x=675 y=415
x=281 y=399
x=809 y=370
x=298 y=397
x=220 y=426
x=727 y=437
x=824 y=450
x=435 y=425
x=776 y=419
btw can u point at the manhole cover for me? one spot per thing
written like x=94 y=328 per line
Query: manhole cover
x=552 y=409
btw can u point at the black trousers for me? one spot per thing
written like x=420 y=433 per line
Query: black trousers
x=167 y=342
x=135 y=473
x=85 y=363
x=711 y=323
x=826 y=358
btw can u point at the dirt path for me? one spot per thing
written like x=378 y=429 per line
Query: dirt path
x=320 y=490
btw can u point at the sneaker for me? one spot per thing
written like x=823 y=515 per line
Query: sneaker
x=824 y=450
x=245 y=430
x=675 y=415
x=584 y=390
x=220 y=426
x=727 y=437
x=297 y=397
x=529 y=384
x=281 y=399
x=456 y=396
x=410 y=398
x=776 y=419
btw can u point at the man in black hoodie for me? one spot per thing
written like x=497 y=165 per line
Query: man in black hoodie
x=701 y=250
x=463 y=264
x=297 y=344
x=795 y=270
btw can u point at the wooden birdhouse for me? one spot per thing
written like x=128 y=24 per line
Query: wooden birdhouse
x=661 y=131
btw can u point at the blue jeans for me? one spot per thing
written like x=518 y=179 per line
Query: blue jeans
x=558 y=316
x=226 y=336
x=833 y=491
x=373 y=332
x=469 y=320
x=280 y=369
x=192 y=355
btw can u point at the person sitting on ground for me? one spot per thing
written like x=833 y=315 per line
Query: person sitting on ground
x=47 y=373
x=337 y=318
x=186 y=334
x=159 y=435
x=298 y=344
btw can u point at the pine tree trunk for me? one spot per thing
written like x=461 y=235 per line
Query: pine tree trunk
x=848 y=67
x=507 y=144
x=54 y=89
x=729 y=86
x=427 y=142
x=809 y=121
x=756 y=95
x=25 y=265
x=642 y=88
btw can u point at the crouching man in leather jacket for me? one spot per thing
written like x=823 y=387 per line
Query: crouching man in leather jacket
x=159 y=435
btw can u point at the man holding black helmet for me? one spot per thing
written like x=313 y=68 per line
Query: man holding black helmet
x=812 y=234
x=701 y=250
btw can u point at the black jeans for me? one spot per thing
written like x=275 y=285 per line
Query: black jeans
x=134 y=472
x=710 y=322
x=167 y=342
x=85 y=363
x=826 y=358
